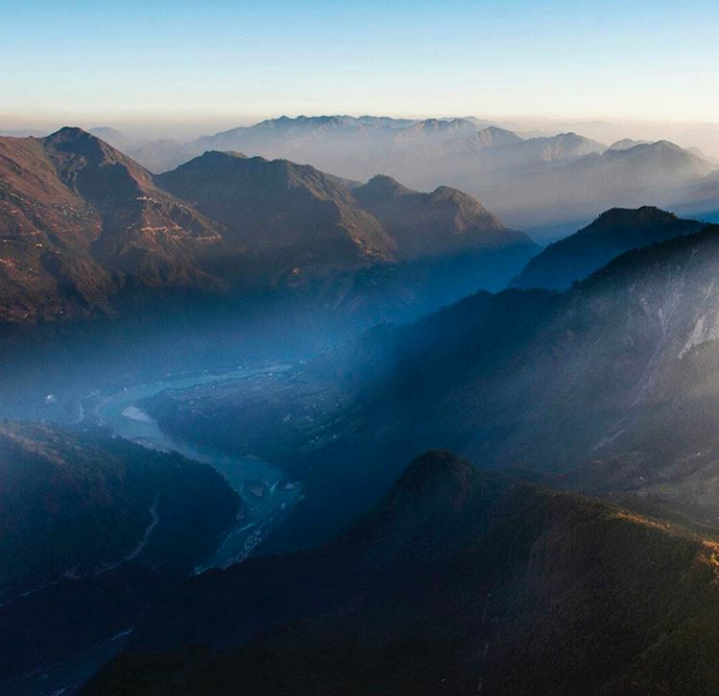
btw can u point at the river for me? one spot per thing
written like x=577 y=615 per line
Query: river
x=266 y=495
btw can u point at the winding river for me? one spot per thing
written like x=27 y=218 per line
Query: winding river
x=267 y=499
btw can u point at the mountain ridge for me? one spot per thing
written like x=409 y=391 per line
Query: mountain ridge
x=478 y=598
x=548 y=184
x=85 y=225
x=585 y=384
x=78 y=217
x=615 y=231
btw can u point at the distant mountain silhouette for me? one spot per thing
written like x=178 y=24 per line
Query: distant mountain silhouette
x=700 y=198
x=576 y=190
x=550 y=184
x=626 y=144
x=116 y=138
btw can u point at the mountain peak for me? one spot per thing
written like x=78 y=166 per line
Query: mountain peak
x=627 y=143
x=645 y=216
x=614 y=232
x=383 y=186
x=70 y=132
x=666 y=145
x=273 y=204
x=493 y=135
x=220 y=155
x=443 y=126
x=313 y=121
x=449 y=193
x=436 y=497
x=433 y=472
x=434 y=483
x=663 y=154
x=444 y=222
x=70 y=142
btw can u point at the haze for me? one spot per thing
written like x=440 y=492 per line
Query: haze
x=185 y=68
x=358 y=347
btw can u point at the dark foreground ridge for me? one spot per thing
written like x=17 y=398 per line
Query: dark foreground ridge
x=92 y=530
x=459 y=582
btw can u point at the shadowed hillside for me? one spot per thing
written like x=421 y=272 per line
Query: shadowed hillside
x=614 y=378
x=459 y=581
x=611 y=234
x=92 y=530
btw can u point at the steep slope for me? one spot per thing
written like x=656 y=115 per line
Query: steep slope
x=145 y=231
x=611 y=234
x=431 y=224
x=93 y=530
x=79 y=221
x=71 y=505
x=298 y=226
x=457 y=245
x=37 y=211
x=459 y=582
x=616 y=372
x=269 y=206
x=612 y=381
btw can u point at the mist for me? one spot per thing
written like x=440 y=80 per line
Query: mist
x=359 y=347
x=545 y=177
x=252 y=343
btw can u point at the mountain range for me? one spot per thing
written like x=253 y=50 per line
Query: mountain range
x=333 y=142
x=83 y=226
x=579 y=555
x=606 y=387
x=546 y=184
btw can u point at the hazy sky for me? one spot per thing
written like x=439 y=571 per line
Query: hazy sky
x=119 y=61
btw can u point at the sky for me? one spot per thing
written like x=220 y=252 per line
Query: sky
x=215 y=63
